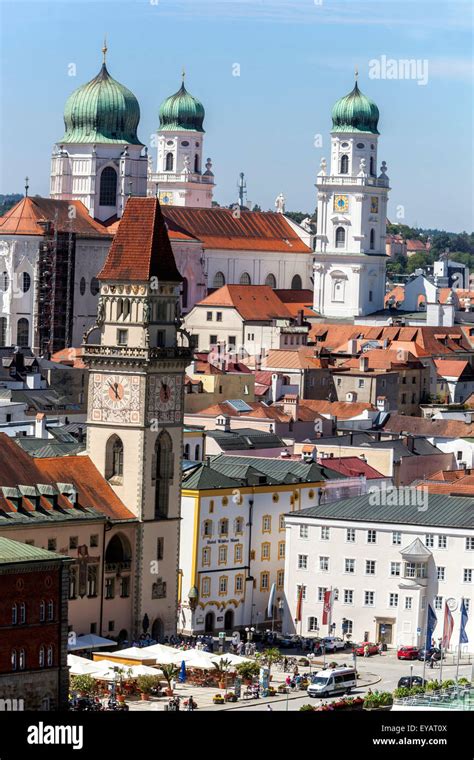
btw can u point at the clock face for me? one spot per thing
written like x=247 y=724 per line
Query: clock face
x=116 y=392
x=115 y=398
x=165 y=401
x=166 y=198
x=374 y=205
x=341 y=203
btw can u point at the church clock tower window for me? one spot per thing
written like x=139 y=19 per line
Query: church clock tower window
x=169 y=162
x=344 y=164
x=114 y=457
x=340 y=237
x=108 y=187
x=163 y=473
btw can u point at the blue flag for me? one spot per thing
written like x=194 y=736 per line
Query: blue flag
x=463 y=639
x=430 y=626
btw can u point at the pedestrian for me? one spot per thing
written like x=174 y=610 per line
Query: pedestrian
x=288 y=680
x=380 y=647
x=269 y=708
x=295 y=671
x=366 y=650
x=285 y=664
x=432 y=659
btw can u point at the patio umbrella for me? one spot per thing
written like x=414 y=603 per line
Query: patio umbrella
x=79 y=666
x=182 y=672
x=205 y=663
x=164 y=655
x=90 y=641
x=234 y=659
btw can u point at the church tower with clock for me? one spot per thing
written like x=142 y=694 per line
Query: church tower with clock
x=135 y=407
x=350 y=259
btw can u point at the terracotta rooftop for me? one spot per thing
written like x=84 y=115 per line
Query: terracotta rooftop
x=251 y=230
x=252 y=302
x=416 y=245
x=71 y=357
x=258 y=411
x=398 y=423
x=386 y=359
x=302 y=358
x=343 y=410
x=26 y=216
x=352 y=467
x=450 y=368
x=141 y=248
x=447 y=476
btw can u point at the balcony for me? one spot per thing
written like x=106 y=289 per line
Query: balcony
x=118 y=567
x=137 y=353
x=204 y=179
x=355 y=181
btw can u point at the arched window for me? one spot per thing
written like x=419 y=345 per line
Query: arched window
x=22 y=618
x=22 y=659
x=169 y=162
x=4 y=281
x=42 y=611
x=3 y=331
x=223 y=526
x=108 y=187
x=22 y=333
x=163 y=473
x=372 y=166
x=50 y=655
x=339 y=280
x=118 y=549
x=95 y=286
x=197 y=452
x=187 y=449
x=50 y=610
x=14 y=614
x=372 y=239
x=41 y=656
x=245 y=279
x=184 y=293
x=25 y=282
x=82 y=286
x=296 y=283
x=196 y=164
x=207 y=528
x=13 y=659
x=340 y=237
x=114 y=458
x=344 y=164
x=270 y=280
x=219 y=280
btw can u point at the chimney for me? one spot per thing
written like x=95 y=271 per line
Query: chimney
x=290 y=405
x=299 y=317
x=40 y=426
x=227 y=423
x=382 y=404
x=352 y=346
x=274 y=389
x=408 y=441
x=363 y=363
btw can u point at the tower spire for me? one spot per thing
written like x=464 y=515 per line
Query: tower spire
x=27 y=179
x=104 y=48
x=356 y=73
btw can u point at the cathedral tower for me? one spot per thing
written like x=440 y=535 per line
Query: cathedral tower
x=135 y=409
x=100 y=160
x=349 y=260
x=179 y=179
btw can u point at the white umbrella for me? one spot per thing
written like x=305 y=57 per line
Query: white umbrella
x=164 y=655
x=205 y=663
x=79 y=666
x=90 y=641
x=126 y=672
x=234 y=659
x=135 y=653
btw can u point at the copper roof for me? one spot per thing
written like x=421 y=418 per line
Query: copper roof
x=250 y=230
x=141 y=248
x=26 y=216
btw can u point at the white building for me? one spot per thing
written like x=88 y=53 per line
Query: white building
x=349 y=261
x=179 y=179
x=388 y=562
x=100 y=159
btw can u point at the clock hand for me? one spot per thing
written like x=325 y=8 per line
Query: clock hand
x=114 y=388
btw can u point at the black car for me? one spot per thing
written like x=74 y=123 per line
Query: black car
x=407 y=681
x=429 y=652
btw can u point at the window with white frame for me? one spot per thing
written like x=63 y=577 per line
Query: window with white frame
x=324 y=564
x=321 y=591
x=429 y=540
x=206 y=556
x=349 y=565
x=223 y=585
x=467 y=575
x=408 y=602
x=438 y=602
x=349 y=626
x=396 y=538
x=442 y=542
x=350 y=535
x=324 y=533
x=369 y=598
x=303 y=531
x=467 y=604
x=395 y=568
x=302 y=561
x=371 y=536
x=313 y=624
x=348 y=596
x=370 y=567
x=393 y=600
x=222 y=555
x=441 y=573
x=205 y=587
x=469 y=543
x=298 y=591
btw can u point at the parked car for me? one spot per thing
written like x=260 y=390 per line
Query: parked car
x=429 y=652
x=333 y=643
x=409 y=681
x=373 y=648
x=289 y=642
x=407 y=653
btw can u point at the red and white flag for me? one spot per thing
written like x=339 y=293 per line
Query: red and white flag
x=327 y=608
x=447 y=627
x=299 y=606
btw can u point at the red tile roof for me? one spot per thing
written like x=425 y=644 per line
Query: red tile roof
x=253 y=302
x=302 y=358
x=351 y=466
x=251 y=230
x=141 y=248
x=379 y=358
x=450 y=367
x=425 y=341
x=343 y=410
x=416 y=245
x=26 y=216
x=398 y=423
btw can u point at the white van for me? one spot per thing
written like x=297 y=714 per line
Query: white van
x=332 y=681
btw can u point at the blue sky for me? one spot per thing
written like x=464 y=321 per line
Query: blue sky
x=296 y=58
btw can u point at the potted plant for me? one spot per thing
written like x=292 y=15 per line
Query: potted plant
x=464 y=681
x=307 y=708
x=248 y=670
x=218 y=699
x=230 y=697
x=222 y=667
x=170 y=672
x=379 y=700
x=85 y=685
x=146 y=684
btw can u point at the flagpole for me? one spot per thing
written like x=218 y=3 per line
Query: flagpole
x=459 y=653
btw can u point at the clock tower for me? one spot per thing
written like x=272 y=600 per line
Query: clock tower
x=135 y=407
x=350 y=259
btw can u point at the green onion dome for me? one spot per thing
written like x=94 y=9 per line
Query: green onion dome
x=101 y=111
x=182 y=111
x=355 y=112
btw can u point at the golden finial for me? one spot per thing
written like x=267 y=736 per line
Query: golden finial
x=104 y=48
x=356 y=73
x=183 y=74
